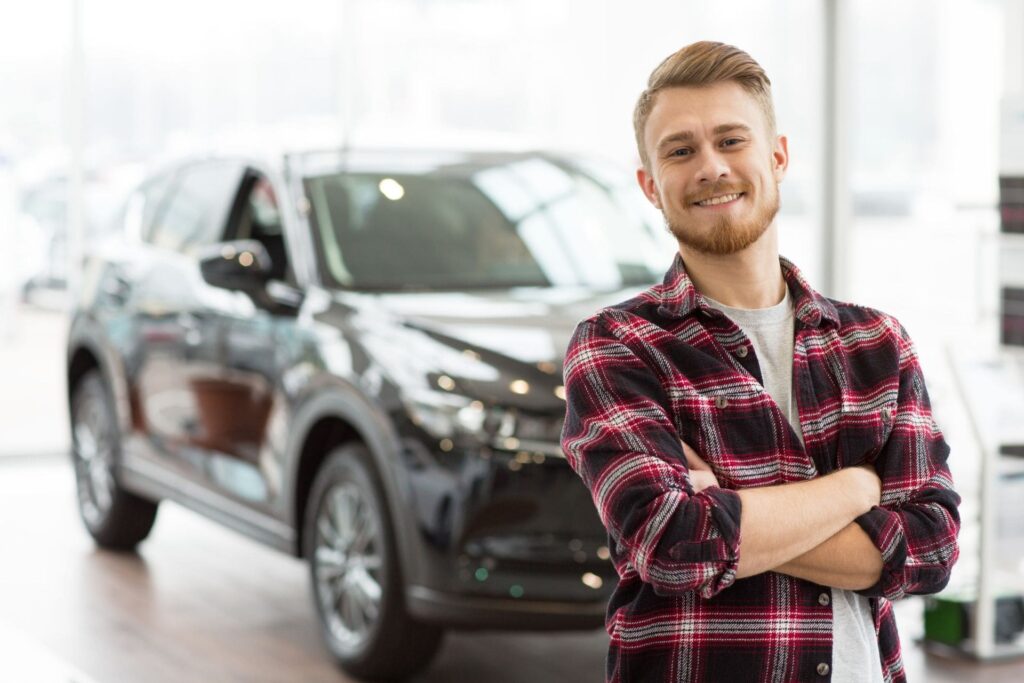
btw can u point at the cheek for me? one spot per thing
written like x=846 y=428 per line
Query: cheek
x=673 y=194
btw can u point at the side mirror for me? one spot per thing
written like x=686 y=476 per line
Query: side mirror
x=241 y=265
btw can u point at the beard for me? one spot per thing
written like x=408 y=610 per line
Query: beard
x=723 y=235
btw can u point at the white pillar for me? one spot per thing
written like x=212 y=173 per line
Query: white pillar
x=74 y=113
x=345 y=56
x=836 y=205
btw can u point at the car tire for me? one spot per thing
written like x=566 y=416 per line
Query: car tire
x=356 y=576
x=114 y=517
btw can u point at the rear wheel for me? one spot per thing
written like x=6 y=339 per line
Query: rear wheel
x=356 y=577
x=115 y=518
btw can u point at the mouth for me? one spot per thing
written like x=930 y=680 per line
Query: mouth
x=720 y=200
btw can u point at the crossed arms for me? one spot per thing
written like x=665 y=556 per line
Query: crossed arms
x=887 y=534
x=806 y=529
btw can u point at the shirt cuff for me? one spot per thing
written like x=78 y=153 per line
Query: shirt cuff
x=885 y=531
x=726 y=507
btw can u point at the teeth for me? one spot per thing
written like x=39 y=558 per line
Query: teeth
x=715 y=201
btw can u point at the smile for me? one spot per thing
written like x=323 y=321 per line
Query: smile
x=724 y=199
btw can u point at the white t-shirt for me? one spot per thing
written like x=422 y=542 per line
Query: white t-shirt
x=855 y=656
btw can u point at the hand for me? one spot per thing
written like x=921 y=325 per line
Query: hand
x=701 y=476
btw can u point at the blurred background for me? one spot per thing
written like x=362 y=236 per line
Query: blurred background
x=890 y=201
x=901 y=117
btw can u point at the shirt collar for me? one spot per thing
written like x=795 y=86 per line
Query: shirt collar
x=679 y=297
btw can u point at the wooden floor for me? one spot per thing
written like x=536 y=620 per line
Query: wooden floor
x=199 y=603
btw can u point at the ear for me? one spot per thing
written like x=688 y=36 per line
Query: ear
x=649 y=187
x=780 y=158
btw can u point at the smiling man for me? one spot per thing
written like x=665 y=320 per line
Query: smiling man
x=764 y=458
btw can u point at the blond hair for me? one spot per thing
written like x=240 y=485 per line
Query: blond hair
x=699 y=65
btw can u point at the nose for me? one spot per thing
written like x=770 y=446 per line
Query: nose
x=713 y=167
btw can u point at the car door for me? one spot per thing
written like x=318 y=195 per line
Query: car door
x=241 y=409
x=175 y=314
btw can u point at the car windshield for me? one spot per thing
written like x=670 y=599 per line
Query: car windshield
x=527 y=223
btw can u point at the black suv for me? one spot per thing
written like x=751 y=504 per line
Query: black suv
x=356 y=358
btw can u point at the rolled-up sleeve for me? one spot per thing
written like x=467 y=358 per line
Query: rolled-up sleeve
x=620 y=439
x=915 y=527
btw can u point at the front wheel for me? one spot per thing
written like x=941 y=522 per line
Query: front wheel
x=114 y=517
x=355 y=573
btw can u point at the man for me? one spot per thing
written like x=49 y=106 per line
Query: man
x=764 y=458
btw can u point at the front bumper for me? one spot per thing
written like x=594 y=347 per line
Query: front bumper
x=506 y=540
x=480 y=613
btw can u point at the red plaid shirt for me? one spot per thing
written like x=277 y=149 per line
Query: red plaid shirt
x=664 y=366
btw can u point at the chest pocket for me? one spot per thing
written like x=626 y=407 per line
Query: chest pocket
x=864 y=429
x=730 y=428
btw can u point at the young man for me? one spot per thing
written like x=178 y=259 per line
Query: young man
x=764 y=458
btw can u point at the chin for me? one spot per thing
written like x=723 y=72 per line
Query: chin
x=721 y=240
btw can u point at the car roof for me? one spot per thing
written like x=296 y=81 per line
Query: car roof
x=438 y=162
x=447 y=162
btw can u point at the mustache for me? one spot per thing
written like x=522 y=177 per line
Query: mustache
x=718 y=191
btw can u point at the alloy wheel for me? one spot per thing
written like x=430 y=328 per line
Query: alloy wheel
x=94 y=459
x=347 y=564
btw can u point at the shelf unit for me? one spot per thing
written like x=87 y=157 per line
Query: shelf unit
x=993 y=392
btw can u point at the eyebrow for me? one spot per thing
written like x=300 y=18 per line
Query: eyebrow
x=687 y=136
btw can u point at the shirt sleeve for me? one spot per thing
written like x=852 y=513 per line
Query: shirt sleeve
x=620 y=439
x=916 y=525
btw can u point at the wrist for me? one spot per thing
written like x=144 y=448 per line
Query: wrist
x=860 y=492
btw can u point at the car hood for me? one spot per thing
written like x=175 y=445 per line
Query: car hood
x=490 y=342
x=530 y=325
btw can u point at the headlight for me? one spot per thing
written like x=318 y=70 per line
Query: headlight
x=445 y=416
x=451 y=416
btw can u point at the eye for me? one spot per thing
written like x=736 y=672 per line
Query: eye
x=731 y=142
x=681 y=152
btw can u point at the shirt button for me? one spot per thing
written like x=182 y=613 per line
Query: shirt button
x=727 y=579
x=823 y=669
x=823 y=599
x=742 y=352
x=721 y=402
x=886 y=414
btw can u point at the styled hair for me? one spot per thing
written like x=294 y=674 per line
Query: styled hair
x=700 y=65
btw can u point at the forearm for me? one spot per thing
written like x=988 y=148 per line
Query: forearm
x=780 y=523
x=847 y=560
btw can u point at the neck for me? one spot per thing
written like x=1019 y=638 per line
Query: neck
x=751 y=278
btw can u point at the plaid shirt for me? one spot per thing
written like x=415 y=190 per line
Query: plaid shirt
x=664 y=366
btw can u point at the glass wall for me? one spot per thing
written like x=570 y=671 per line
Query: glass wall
x=165 y=80
x=924 y=147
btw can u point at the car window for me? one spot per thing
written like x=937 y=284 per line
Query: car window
x=258 y=211
x=196 y=210
x=401 y=230
x=523 y=223
x=258 y=217
x=153 y=195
